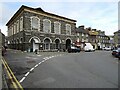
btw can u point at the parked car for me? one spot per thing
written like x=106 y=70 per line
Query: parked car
x=107 y=48
x=88 y=47
x=119 y=55
x=73 y=48
x=116 y=53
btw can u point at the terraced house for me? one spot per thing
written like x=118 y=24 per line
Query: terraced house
x=34 y=28
x=96 y=37
x=103 y=40
x=82 y=36
x=117 y=38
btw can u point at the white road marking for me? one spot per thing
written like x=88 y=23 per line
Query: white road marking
x=48 y=58
x=45 y=59
x=36 y=65
x=27 y=73
x=27 y=57
x=22 y=79
x=39 y=62
x=42 y=61
x=52 y=56
x=38 y=55
x=31 y=69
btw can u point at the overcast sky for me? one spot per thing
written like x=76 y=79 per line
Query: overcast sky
x=97 y=14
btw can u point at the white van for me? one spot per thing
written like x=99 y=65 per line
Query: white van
x=88 y=47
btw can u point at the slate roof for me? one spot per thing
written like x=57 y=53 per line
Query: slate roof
x=37 y=10
x=81 y=30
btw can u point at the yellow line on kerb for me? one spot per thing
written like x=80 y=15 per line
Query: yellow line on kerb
x=9 y=75
x=13 y=76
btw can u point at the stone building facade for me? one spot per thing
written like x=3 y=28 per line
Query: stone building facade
x=82 y=36
x=96 y=37
x=93 y=37
x=103 y=40
x=117 y=38
x=2 y=38
x=33 y=28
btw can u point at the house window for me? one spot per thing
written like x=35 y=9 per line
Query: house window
x=10 y=30
x=68 y=29
x=86 y=40
x=82 y=40
x=86 y=35
x=47 y=26
x=17 y=26
x=35 y=21
x=82 y=34
x=14 y=28
x=78 y=34
x=21 y=24
x=57 y=27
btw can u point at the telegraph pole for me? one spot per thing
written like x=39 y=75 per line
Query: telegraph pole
x=0 y=60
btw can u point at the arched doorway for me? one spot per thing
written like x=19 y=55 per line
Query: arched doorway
x=34 y=44
x=47 y=44
x=68 y=43
x=57 y=44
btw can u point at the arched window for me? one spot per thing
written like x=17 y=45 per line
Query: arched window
x=47 y=26
x=35 y=22
x=8 y=31
x=21 y=24
x=68 y=29
x=57 y=27
x=14 y=28
x=17 y=26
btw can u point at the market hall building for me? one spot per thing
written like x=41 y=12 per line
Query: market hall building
x=33 y=28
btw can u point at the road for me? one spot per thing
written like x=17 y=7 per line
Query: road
x=97 y=69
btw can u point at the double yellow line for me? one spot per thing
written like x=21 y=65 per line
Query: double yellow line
x=12 y=77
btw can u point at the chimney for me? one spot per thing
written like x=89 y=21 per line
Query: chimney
x=94 y=29
x=82 y=27
x=89 y=28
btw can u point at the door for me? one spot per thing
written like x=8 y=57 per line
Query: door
x=35 y=46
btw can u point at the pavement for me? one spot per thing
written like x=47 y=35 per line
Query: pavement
x=21 y=62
